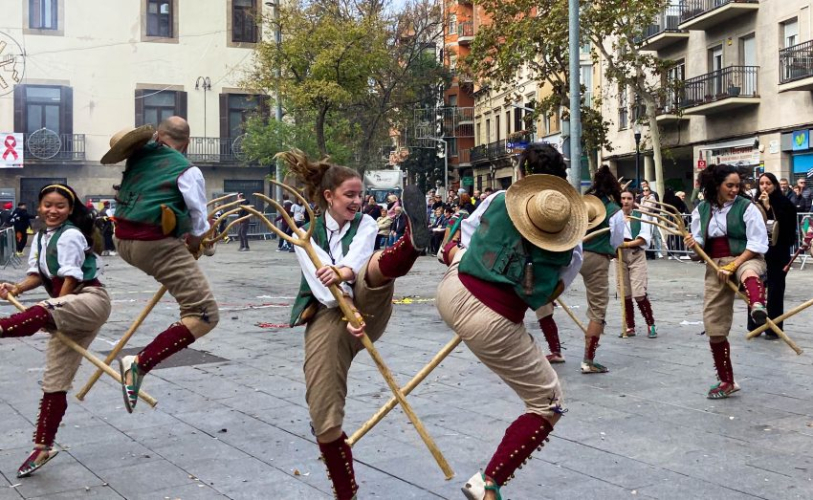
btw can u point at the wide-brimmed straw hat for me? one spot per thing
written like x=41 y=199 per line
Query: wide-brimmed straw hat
x=125 y=142
x=596 y=212
x=547 y=211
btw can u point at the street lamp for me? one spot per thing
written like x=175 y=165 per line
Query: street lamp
x=637 y=135
x=278 y=110
x=206 y=83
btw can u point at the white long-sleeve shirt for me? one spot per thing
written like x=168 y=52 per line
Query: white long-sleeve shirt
x=469 y=226
x=358 y=253
x=755 y=230
x=192 y=186
x=645 y=233
x=617 y=228
x=71 y=249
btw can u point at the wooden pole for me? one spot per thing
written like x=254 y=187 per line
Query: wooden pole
x=572 y=316
x=796 y=310
x=619 y=265
x=303 y=241
x=87 y=355
x=122 y=342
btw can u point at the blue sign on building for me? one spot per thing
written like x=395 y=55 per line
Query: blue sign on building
x=801 y=140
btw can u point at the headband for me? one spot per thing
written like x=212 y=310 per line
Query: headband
x=61 y=188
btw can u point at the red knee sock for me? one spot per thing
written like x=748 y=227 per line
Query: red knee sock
x=52 y=409
x=339 y=461
x=551 y=332
x=646 y=310
x=590 y=348
x=175 y=338
x=755 y=290
x=629 y=309
x=25 y=323
x=721 y=352
x=397 y=260
x=526 y=434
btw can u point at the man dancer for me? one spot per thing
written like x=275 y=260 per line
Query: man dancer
x=161 y=220
x=637 y=236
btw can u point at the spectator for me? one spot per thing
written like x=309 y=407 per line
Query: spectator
x=372 y=209
x=782 y=231
x=475 y=197
x=399 y=223
x=438 y=202
x=283 y=245
x=21 y=220
x=106 y=227
x=392 y=204
x=807 y=194
x=384 y=224
x=647 y=196
x=466 y=204
x=797 y=200
x=646 y=189
x=784 y=186
x=5 y=215
x=298 y=213
x=242 y=232
x=682 y=206
x=438 y=230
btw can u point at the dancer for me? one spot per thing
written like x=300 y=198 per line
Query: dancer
x=344 y=239
x=522 y=249
x=550 y=330
x=162 y=200
x=731 y=229
x=62 y=260
x=598 y=252
x=637 y=236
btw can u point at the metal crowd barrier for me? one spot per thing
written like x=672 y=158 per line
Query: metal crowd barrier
x=256 y=230
x=8 y=248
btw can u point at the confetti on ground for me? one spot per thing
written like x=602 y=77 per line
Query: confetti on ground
x=411 y=300
x=272 y=325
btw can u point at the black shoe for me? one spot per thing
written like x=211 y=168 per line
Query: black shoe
x=414 y=206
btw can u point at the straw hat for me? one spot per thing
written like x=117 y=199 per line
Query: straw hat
x=547 y=211
x=595 y=211
x=125 y=142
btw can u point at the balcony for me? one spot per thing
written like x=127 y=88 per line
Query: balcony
x=518 y=141
x=465 y=32
x=796 y=67
x=45 y=146
x=214 y=150
x=721 y=90
x=704 y=14
x=458 y=122
x=664 y=31
x=479 y=154
x=498 y=149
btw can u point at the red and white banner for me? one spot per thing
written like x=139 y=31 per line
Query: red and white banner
x=11 y=150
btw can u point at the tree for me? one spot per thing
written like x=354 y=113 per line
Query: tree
x=517 y=37
x=615 y=28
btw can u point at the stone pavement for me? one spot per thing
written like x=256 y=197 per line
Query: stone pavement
x=235 y=425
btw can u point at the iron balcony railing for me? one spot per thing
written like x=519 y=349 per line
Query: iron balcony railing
x=458 y=122
x=466 y=28
x=211 y=150
x=733 y=81
x=71 y=148
x=796 y=62
x=479 y=153
x=668 y=20
x=689 y=9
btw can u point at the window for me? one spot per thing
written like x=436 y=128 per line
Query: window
x=488 y=132
x=508 y=123
x=674 y=94
x=159 y=18
x=43 y=106
x=790 y=33
x=453 y=100
x=497 y=124
x=451 y=143
x=247 y=187
x=236 y=109
x=452 y=29
x=30 y=188
x=155 y=106
x=623 y=108
x=518 y=121
x=43 y=14
x=586 y=79
x=244 y=21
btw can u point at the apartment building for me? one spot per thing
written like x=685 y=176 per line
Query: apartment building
x=746 y=68
x=92 y=68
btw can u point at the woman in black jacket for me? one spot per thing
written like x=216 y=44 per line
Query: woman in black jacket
x=781 y=212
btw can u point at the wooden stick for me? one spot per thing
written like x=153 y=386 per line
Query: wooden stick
x=599 y=232
x=570 y=313
x=87 y=355
x=224 y=197
x=667 y=229
x=796 y=310
x=407 y=389
x=304 y=241
x=619 y=265
x=123 y=341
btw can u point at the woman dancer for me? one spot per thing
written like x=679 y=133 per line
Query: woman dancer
x=522 y=251
x=732 y=232
x=344 y=240
x=63 y=262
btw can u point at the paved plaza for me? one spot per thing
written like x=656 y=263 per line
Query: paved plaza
x=232 y=422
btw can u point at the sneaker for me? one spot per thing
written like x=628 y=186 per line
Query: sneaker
x=652 y=332
x=128 y=365
x=589 y=367
x=476 y=487
x=113 y=253
x=629 y=333
x=36 y=460
x=722 y=390
x=555 y=358
x=758 y=313
x=414 y=206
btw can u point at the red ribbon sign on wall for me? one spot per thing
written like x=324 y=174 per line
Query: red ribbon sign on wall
x=11 y=150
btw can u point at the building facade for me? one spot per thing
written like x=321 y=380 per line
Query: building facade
x=745 y=99
x=93 y=68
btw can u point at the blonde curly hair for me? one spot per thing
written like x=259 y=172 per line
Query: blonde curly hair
x=318 y=177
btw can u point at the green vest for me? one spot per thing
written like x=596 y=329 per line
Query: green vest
x=735 y=227
x=52 y=256
x=498 y=253
x=601 y=244
x=305 y=297
x=635 y=224
x=151 y=180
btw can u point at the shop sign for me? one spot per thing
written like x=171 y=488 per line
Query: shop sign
x=737 y=155
x=801 y=140
x=467 y=181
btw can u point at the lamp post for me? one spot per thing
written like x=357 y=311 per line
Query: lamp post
x=278 y=108
x=637 y=136
x=206 y=84
x=575 y=96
